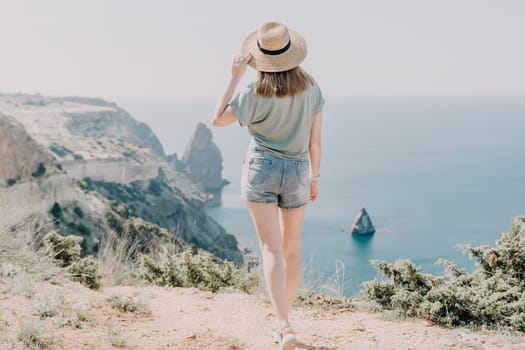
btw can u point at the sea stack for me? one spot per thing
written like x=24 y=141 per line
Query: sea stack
x=203 y=163
x=363 y=224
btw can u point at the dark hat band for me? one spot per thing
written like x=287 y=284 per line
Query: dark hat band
x=274 y=52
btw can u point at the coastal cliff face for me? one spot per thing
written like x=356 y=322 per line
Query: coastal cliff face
x=115 y=123
x=183 y=217
x=87 y=137
x=62 y=156
x=22 y=159
x=32 y=183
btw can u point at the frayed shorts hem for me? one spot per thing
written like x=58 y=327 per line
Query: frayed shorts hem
x=274 y=201
x=294 y=206
x=258 y=200
x=262 y=202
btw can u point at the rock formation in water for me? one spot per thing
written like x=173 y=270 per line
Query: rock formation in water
x=56 y=152
x=362 y=224
x=202 y=161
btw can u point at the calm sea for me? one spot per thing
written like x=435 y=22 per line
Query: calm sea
x=432 y=173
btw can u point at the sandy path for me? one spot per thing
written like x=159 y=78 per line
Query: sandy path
x=197 y=320
x=186 y=318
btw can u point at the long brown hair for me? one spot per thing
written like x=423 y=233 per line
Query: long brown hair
x=280 y=84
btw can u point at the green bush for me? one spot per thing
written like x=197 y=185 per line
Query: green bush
x=127 y=304
x=197 y=269
x=492 y=295
x=64 y=250
x=86 y=272
x=120 y=209
x=82 y=185
x=40 y=171
x=56 y=212
x=78 y=212
x=308 y=298
x=155 y=187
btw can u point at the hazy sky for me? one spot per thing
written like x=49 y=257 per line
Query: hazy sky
x=114 y=48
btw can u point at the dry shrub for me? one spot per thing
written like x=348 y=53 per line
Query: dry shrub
x=117 y=258
x=31 y=334
x=23 y=284
x=20 y=249
x=322 y=292
x=128 y=304
x=117 y=338
x=49 y=304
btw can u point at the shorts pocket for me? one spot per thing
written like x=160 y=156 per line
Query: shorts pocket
x=258 y=170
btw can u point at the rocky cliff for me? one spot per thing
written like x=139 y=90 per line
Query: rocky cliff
x=22 y=159
x=114 y=123
x=47 y=145
x=202 y=162
x=172 y=210
x=32 y=183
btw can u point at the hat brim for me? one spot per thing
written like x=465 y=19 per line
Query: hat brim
x=275 y=63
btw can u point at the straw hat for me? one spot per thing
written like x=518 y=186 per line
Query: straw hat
x=274 y=48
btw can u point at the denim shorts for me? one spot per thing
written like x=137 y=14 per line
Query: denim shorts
x=269 y=179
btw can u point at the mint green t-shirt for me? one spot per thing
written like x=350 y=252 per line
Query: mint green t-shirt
x=279 y=125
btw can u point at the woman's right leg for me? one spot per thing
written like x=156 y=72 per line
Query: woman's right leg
x=265 y=217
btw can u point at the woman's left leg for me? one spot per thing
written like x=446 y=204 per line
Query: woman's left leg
x=292 y=228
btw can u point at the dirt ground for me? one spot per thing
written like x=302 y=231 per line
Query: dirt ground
x=186 y=318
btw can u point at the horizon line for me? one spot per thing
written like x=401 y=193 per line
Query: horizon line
x=111 y=98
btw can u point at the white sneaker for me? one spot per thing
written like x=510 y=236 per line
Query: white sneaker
x=288 y=341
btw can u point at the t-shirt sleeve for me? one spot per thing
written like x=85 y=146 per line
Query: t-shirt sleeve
x=320 y=100
x=243 y=104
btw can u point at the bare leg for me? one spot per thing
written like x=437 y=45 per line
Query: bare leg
x=292 y=228
x=265 y=217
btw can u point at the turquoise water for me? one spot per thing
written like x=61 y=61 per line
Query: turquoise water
x=431 y=173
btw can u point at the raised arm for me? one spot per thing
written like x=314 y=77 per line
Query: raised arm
x=315 y=155
x=224 y=114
